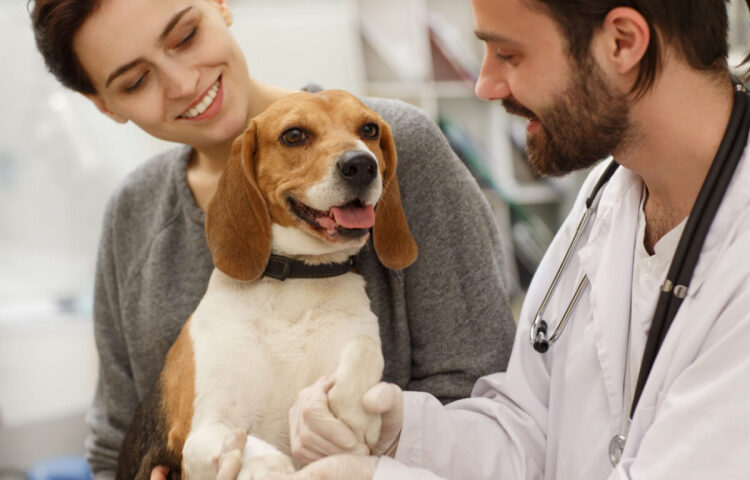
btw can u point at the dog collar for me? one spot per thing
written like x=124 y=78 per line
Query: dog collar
x=282 y=268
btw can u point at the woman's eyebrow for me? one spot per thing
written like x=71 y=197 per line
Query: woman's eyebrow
x=164 y=34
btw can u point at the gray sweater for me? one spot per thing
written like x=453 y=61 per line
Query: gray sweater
x=444 y=321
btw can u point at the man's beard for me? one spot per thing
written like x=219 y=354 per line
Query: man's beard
x=585 y=124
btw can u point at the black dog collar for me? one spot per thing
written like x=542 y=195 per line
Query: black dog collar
x=282 y=268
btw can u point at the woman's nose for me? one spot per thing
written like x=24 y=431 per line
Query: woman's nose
x=180 y=80
x=492 y=83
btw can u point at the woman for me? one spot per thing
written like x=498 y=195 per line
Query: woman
x=174 y=69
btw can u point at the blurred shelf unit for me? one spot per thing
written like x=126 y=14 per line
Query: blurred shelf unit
x=424 y=52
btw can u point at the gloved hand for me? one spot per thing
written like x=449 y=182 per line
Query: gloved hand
x=386 y=399
x=337 y=467
x=315 y=433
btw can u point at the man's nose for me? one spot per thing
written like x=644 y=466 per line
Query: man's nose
x=492 y=83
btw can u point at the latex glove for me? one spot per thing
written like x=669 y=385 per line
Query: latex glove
x=314 y=432
x=337 y=467
x=387 y=400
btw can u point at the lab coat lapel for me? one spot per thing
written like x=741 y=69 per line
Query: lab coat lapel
x=607 y=259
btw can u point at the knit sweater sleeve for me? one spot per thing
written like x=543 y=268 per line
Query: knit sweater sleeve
x=115 y=398
x=459 y=320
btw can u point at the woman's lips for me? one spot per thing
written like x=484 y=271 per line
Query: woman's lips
x=208 y=106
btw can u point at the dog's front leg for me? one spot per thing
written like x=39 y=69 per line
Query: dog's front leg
x=217 y=452
x=360 y=367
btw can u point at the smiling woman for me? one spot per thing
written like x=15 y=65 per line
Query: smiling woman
x=174 y=69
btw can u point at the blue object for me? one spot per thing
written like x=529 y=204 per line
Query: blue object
x=60 y=468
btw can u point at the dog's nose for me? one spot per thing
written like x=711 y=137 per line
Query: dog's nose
x=357 y=168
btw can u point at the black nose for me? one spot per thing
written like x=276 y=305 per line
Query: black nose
x=357 y=168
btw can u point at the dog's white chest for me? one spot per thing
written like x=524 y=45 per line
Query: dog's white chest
x=257 y=344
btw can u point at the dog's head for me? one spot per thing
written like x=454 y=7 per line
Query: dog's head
x=308 y=178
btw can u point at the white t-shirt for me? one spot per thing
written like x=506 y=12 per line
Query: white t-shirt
x=649 y=273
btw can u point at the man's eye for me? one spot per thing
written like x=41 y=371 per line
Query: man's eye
x=294 y=136
x=370 y=130
x=137 y=84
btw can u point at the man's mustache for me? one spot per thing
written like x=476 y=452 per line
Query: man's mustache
x=515 y=108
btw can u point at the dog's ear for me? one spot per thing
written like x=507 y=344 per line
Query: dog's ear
x=238 y=225
x=393 y=242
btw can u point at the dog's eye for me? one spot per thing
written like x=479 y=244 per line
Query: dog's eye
x=294 y=136
x=370 y=130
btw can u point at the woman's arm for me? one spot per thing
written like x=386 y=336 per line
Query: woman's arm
x=115 y=399
x=460 y=322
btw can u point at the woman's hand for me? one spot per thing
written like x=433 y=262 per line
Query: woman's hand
x=159 y=473
x=315 y=432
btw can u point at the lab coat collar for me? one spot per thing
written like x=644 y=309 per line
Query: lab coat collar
x=607 y=259
x=736 y=200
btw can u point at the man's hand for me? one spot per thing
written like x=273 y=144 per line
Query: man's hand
x=337 y=467
x=387 y=400
x=315 y=433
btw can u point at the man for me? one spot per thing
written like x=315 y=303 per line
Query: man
x=647 y=83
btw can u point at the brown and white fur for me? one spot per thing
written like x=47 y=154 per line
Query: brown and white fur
x=253 y=342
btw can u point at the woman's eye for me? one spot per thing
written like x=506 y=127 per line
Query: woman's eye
x=294 y=136
x=188 y=37
x=370 y=130
x=137 y=84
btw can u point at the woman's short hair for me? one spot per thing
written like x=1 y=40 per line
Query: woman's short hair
x=55 y=23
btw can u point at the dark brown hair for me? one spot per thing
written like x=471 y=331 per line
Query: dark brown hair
x=55 y=23
x=697 y=28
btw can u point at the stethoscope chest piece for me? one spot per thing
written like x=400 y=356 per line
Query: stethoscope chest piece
x=616 y=446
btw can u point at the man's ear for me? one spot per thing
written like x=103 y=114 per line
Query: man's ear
x=99 y=102
x=622 y=41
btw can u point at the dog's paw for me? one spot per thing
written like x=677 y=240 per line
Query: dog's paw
x=360 y=368
x=268 y=465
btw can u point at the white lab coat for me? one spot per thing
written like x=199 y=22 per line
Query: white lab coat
x=552 y=416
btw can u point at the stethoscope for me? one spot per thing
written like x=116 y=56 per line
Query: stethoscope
x=675 y=287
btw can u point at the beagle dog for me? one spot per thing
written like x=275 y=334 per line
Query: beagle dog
x=305 y=185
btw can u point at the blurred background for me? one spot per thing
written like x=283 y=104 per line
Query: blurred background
x=60 y=158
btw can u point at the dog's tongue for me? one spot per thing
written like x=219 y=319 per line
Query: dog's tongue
x=354 y=217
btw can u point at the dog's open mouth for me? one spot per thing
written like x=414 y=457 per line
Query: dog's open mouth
x=353 y=219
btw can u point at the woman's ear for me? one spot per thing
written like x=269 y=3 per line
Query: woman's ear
x=102 y=107
x=622 y=41
x=392 y=238
x=238 y=225
x=225 y=11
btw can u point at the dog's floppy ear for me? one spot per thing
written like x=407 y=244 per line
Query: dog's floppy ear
x=394 y=244
x=238 y=225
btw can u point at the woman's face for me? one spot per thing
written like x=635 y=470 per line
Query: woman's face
x=171 y=67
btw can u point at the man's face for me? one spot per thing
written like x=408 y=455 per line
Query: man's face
x=575 y=117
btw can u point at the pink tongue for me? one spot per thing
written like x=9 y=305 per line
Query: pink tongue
x=354 y=217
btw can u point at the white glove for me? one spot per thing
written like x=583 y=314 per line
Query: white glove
x=386 y=399
x=314 y=432
x=337 y=467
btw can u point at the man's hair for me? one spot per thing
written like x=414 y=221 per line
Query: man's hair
x=697 y=29
x=55 y=23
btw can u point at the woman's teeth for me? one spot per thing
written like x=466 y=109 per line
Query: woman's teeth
x=204 y=104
